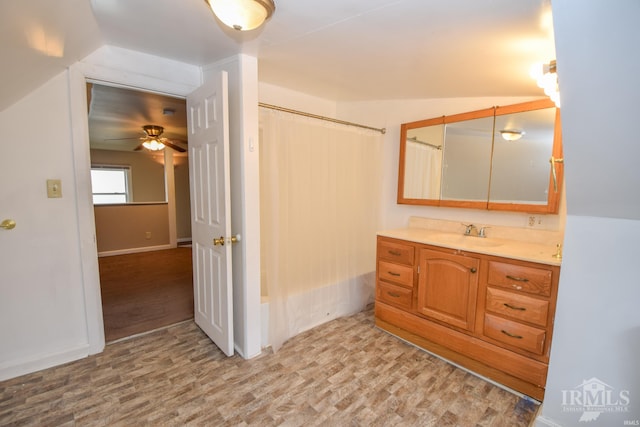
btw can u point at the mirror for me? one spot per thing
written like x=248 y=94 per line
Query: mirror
x=520 y=168
x=423 y=163
x=497 y=158
x=466 y=167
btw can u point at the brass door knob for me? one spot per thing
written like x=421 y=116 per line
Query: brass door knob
x=221 y=240
x=8 y=224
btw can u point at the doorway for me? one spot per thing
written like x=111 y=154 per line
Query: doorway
x=143 y=236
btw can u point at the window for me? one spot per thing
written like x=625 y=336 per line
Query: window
x=110 y=184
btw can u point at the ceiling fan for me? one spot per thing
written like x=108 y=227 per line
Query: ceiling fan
x=154 y=142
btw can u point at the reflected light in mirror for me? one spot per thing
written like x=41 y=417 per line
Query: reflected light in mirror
x=511 y=134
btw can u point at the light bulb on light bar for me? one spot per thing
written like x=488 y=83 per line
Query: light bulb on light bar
x=546 y=77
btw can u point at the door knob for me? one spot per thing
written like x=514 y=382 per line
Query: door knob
x=220 y=241
x=8 y=224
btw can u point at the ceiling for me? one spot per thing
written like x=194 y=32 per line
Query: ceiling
x=352 y=50
x=341 y=50
x=117 y=115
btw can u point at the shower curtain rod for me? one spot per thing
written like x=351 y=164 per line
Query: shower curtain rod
x=314 y=116
x=415 y=139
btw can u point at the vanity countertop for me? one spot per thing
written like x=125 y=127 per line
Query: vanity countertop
x=515 y=249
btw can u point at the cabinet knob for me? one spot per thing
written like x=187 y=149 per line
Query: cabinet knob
x=473 y=269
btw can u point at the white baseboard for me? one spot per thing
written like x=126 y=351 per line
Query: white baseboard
x=540 y=421
x=13 y=369
x=135 y=250
x=544 y=422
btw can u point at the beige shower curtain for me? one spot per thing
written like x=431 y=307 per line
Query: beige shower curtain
x=320 y=202
x=423 y=164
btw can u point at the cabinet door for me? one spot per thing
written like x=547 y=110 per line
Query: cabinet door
x=448 y=287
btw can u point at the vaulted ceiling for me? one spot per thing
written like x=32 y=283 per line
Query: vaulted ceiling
x=336 y=49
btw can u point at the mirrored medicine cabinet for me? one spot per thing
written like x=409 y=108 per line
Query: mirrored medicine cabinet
x=506 y=158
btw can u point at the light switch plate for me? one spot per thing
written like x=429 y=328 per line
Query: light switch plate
x=54 y=188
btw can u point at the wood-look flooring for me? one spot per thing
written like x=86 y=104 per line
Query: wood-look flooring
x=343 y=373
x=145 y=291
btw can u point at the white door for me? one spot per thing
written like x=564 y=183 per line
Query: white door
x=208 y=131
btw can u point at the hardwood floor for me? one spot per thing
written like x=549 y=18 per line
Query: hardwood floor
x=145 y=291
x=345 y=372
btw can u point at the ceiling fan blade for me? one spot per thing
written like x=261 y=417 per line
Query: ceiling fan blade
x=172 y=145
x=138 y=148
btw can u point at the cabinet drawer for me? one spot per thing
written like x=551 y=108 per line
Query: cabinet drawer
x=514 y=333
x=394 y=295
x=399 y=274
x=520 y=278
x=517 y=306
x=396 y=252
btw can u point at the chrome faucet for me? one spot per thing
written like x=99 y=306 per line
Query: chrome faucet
x=472 y=230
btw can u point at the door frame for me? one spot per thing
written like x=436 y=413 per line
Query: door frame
x=78 y=74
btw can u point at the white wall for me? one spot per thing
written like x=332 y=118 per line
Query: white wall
x=42 y=310
x=597 y=331
x=49 y=284
x=287 y=98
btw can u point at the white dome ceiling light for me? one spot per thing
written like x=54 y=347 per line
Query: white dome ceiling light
x=242 y=15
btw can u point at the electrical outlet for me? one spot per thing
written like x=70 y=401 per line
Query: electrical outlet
x=147 y=235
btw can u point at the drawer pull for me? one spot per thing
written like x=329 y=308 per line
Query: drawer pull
x=513 y=307
x=517 y=279
x=395 y=253
x=391 y=273
x=518 y=337
x=393 y=294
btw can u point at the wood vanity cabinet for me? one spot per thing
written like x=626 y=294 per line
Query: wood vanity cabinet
x=491 y=315
x=447 y=287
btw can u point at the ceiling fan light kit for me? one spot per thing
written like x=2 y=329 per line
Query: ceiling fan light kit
x=153 y=145
x=242 y=15
x=154 y=142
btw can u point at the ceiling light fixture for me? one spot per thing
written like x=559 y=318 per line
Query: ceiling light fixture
x=242 y=15
x=546 y=76
x=511 y=134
